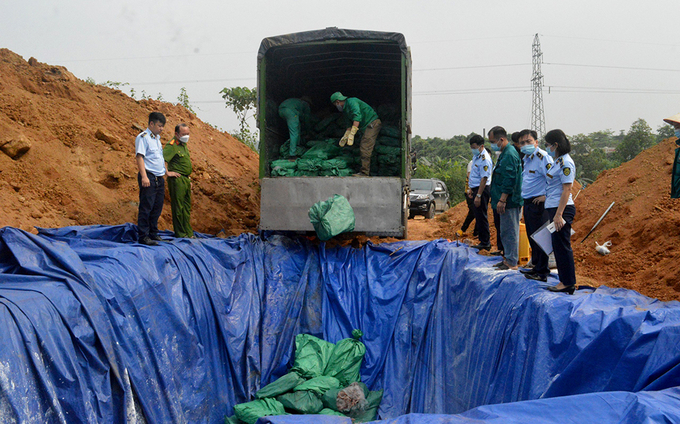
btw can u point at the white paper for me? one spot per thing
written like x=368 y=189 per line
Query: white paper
x=543 y=236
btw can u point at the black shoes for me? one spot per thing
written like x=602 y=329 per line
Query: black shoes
x=527 y=271
x=565 y=289
x=482 y=246
x=155 y=237
x=496 y=253
x=537 y=277
x=148 y=241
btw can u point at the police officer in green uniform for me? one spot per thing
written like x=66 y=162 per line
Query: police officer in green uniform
x=176 y=154
x=297 y=114
x=675 y=181
x=362 y=118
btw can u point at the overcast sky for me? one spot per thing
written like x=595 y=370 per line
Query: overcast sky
x=606 y=63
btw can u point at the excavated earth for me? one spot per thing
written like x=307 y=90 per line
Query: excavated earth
x=67 y=158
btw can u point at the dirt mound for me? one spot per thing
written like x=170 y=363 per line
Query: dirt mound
x=69 y=155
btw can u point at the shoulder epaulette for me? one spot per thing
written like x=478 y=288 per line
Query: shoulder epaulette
x=540 y=156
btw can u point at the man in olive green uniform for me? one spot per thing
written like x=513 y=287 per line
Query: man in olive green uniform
x=363 y=118
x=176 y=154
x=296 y=113
x=675 y=178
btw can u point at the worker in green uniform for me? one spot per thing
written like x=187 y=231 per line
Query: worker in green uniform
x=675 y=181
x=296 y=112
x=362 y=118
x=176 y=154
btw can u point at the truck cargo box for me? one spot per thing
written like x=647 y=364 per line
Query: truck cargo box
x=372 y=66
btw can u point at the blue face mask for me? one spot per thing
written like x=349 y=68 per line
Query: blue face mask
x=551 y=153
x=495 y=147
x=677 y=132
x=475 y=152
x=528 y=149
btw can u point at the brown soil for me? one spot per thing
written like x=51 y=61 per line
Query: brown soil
x=80 y=167
x=80 y=170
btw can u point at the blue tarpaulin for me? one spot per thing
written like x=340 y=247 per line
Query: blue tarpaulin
x=98 y=328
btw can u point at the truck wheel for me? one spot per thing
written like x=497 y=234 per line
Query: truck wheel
x=430 y=211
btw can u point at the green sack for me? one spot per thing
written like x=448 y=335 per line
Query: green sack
x=388 y=151
x=303 y=402
x=283 y=384
x=307 y=164
x=327 y=411
x=390 y=131
x=345 y=361
x=311 y=355
x=384 y=140
x=283 y=167
x=343 y=172
x=371 y=413
x=338 y=163
x=331 y=217
x=232 y=420
x=284 y=150
x=249 y=412
x=323 y=151
x=319 y=385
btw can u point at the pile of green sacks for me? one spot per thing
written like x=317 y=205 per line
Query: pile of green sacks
x=322 y=156
x=321 y=372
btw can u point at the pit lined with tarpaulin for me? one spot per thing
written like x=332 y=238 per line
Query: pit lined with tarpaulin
x=98 y=328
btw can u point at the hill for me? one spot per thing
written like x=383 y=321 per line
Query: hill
x=79 y=168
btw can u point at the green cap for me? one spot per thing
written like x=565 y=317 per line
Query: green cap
x=337 y=96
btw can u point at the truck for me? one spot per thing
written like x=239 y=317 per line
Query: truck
x=370 y=65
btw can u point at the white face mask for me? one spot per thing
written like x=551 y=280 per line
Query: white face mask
x=184 y=139
x=339 y=108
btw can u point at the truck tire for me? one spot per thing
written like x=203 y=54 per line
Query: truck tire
x=430 y=211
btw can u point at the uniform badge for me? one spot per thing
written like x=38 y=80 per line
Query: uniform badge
x=566 y=171
x=548 y=166
x=540 y=156
x=486 y=167
x=548 y=175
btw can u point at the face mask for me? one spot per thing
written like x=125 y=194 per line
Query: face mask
x=495 y=147
x=339 y=108
x=677 y=132
x=475 y=152
x=184 y=139
x=528 y=149
x=551 y=153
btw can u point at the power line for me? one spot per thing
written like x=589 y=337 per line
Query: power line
x=106 y=59
x=611 y=41
x=194 y=81
x=612 y=67
x=472 y=67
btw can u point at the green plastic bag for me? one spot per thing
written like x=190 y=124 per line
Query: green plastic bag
x=311 y=355
x=249 y=412
x=303 y=402
x=283 y=384
x=284 y=150
x=326 y=150
x=371 y=413
x=332 y=217
x=327 y=411
x=319 y=385
x=232 y=420
x=345 y=361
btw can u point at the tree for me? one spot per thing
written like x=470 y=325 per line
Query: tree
x=241 y=100
x=183 y=100
x=638 y=138
x=664 y=131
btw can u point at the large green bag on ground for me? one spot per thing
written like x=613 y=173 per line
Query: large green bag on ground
x=284 y=150
x=371 y=412
x=345 y=361
x=332 y=217
x=311 y=355
x=319 y=385
x=327 y=411
x=303 y=402
x=249 y=412
x=283 y=384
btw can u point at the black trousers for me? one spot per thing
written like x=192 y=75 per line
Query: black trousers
x=561 y=241
x=481 y=215
x=150 y=204
x=471 y=212
x=534 y=217
x=497 y=225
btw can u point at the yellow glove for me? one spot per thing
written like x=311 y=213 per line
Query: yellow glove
x=352 y=133
x=344 y=138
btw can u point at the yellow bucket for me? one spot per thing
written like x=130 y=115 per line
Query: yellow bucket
x=524 y=248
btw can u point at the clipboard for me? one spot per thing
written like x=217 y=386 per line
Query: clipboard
x=543 y=237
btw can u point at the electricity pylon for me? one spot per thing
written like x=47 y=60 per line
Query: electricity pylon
x=537 y=112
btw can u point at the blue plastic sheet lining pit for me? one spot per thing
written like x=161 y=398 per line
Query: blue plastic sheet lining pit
x=98 y=328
